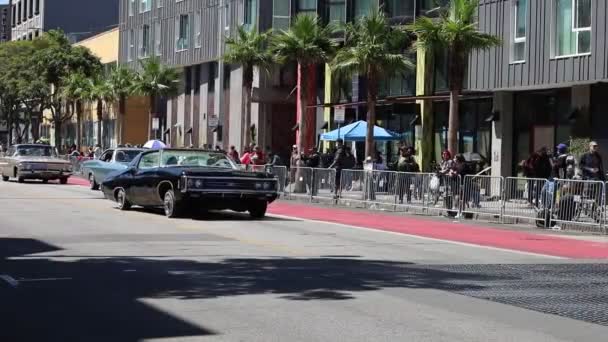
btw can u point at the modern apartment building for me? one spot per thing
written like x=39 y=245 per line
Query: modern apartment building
x=190 y=34
x=548 y=78
x=5 y=23
x=79 y=19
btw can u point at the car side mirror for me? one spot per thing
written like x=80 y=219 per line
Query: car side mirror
x=132 y=170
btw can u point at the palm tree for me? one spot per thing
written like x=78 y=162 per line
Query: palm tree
x=308 y=43
x=455 y=31
x=249 y=49
x=100 y=91
x=74 y=92
x=121 y=82
x=374 y=50
x=154 y=80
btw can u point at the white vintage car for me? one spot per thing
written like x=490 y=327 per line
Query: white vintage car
x=34 y=161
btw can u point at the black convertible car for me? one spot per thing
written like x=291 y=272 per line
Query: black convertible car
x=188 y=181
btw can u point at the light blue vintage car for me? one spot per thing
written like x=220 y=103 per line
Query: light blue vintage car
x=110 y=160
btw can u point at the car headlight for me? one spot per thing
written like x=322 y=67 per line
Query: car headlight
x=67 y=168
x=267 y=185
x=24 y=166
x=190 y=183
x=198 y=183
x=258 y=186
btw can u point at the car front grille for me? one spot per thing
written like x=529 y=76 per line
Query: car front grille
x=229 y=184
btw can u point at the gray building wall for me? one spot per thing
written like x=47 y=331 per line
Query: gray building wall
x=493 y=70
x=79 y=19
x=5 y=23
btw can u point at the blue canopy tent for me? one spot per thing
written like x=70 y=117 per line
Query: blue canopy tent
x=357 y=131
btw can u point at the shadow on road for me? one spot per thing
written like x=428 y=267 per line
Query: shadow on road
x=99 y=299
x=214 y=215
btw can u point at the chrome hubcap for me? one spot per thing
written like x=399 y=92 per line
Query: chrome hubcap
x=168 y=205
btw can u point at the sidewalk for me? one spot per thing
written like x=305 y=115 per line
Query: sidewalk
x=575 y=247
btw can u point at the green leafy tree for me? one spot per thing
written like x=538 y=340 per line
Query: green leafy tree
x=75 y=90
x=156 y=80
x=307 y=42
x=55 y=60
x=248 y=49
x=100 y=92
x=373 y=49
x=455 y=32
x=121 y=82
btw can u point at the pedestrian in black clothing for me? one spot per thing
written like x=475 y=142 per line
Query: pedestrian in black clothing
x=592 y=164
x=407 y=164
x=338 y=164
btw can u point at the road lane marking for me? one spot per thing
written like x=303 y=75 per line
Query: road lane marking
x=43 y=279
x=10 y=280
x=343 y=225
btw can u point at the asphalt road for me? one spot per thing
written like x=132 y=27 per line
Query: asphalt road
x=73 y=268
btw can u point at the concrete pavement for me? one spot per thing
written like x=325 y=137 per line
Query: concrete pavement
x=75 y=269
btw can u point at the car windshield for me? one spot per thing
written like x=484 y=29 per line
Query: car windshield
x=36 y=151
x=126 y=156
x=196 y=158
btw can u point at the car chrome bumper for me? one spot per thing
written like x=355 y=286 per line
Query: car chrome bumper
x=43 y=174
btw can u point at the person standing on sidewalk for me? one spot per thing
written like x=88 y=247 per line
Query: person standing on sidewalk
x=338 y=165
x=592 y=164
x=234 y=154
x=406 y=164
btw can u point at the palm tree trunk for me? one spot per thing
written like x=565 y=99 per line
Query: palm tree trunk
x=99 y=121
x=121 y=119
x=58 y=134
x=300 y=186
x=152 y=100
x=246 y=110
x=372 y=94
x=78 y=110
x=453 y=121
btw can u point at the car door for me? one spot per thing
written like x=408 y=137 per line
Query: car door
x=145 y=178
x=103 y=165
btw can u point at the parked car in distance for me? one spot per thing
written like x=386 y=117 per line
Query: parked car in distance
x=187 y=181
x=111 y=160
x=34 y=161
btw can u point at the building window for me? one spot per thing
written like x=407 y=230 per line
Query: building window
x=159 y=3
x=364 y=8
x=197 y=29
x=37 y=7
x=132 y=4
x=145 y=6
x=19 y=13
x=518 y=48
x=157 y=38
x=400 y=8
x=281 y=14
x=251 y=14
x=572 y=27
x=182 y=31
x=307 y=7
x=131 y=43
x=144 y=41
x=14 y=15
x=30 y=9
x=337 y=11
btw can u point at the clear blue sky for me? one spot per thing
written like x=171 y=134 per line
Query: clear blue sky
x=3 y=2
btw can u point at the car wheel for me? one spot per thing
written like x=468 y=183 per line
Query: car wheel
x=20 y=179
x=257 y=209
x=121 y=199
x=45 y=181
x=92 y=183
x=173 y=208
x=5 y=178
x=63 y=181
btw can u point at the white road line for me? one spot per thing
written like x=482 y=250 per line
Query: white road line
x=421 y=237
x=10 y=280
x=43 y=279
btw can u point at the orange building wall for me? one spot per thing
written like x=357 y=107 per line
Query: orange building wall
x=136 y=120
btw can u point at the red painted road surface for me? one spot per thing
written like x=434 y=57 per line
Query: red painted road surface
x=458 y=232
x=449 y=231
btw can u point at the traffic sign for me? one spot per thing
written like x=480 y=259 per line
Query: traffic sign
x=339 y=113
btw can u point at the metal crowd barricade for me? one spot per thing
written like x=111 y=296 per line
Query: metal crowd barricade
x=412 y=190
x=444 y=193
x=527 y=199
x=323 y=184
x=300 y=182
x=578 y=204
x=482 y=195
x=350 y=185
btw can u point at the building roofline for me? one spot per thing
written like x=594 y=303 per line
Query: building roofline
x=96 y=36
